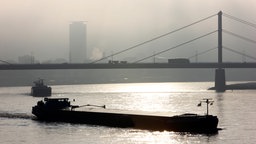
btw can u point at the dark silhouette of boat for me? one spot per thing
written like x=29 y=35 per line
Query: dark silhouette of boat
x=60 y=110
x=40 y=89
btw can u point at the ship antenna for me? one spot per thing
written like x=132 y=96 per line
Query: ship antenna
x=207 y=101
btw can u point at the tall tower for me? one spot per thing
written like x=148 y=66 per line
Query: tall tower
x=77 y=42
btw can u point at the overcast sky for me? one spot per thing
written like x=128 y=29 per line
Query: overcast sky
x=41 y=27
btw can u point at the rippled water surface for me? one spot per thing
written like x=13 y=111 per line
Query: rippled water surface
x=235 y=109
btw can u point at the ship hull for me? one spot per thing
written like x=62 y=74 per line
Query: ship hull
x=180 y=123
x=41 y=91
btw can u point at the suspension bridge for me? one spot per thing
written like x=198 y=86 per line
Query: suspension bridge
x=141 y=64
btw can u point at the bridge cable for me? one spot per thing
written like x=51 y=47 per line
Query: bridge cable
x=240 y=20
x=158 y=37
x=203 y=52
x=239 y=36
x=176 y=46
x=237 y=52
x=6 y=62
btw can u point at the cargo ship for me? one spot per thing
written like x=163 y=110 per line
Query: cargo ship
x=60 y=110
x=40 y=89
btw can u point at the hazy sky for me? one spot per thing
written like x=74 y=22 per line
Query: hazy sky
x=41 y=27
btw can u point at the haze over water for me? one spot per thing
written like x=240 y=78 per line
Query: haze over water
x=67 y=77
x=40 y=29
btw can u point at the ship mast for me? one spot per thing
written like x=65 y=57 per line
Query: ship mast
x=207 y=101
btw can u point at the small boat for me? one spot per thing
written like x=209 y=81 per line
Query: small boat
x=40 y=89
x=60 y=110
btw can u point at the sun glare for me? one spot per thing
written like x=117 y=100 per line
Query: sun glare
x=149 y=88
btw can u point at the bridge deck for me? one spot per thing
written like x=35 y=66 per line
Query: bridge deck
x=125 y=66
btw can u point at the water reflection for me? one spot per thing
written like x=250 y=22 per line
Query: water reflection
x=236 y=112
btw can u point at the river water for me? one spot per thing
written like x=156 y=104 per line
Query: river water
x=235 y=110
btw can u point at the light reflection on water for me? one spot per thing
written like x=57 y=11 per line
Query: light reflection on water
x=235 y=110
x=132 y=88
x=71 y=133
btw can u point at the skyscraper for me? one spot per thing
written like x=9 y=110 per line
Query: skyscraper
x=77 y=42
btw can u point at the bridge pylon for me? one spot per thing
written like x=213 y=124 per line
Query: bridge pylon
x=220 y=80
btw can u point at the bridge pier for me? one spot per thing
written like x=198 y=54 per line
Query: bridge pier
x=220 y=80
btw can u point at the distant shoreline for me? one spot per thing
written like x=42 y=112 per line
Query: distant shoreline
x=239 y=86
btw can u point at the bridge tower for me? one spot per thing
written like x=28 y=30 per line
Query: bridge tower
x=220 y=80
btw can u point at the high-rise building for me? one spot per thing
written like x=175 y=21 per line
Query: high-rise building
x=77 y=42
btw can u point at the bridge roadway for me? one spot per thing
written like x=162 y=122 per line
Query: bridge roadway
x=123 y=66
